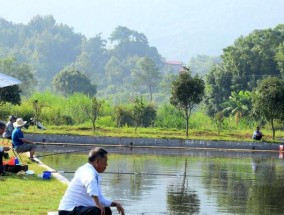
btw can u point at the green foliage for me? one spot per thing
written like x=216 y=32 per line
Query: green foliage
x=92 y=110
x=132 y=43
x=239 y=105
x=169 y=117
x=69 y=81
x=149 y=115
x=136 y=114
x=187 y=91
x=138 y=111
x=146 y=73
x=280 y=58
x=219 y=121
x=250 y=59
x=201 y=64
x=123 y=116
x=268 y=100
x=10 y=94
x=93 y=58
x=106 y=121
x=22 y=72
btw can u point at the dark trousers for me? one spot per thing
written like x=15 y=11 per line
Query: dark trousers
x=81 y=210
x=1 y=162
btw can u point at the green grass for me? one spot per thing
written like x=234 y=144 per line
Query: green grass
x=30 y=194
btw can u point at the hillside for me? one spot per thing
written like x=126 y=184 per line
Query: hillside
x=179 y=29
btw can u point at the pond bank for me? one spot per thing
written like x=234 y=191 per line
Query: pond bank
x=152 y=142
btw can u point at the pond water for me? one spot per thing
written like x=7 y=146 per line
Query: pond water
x=148 y=181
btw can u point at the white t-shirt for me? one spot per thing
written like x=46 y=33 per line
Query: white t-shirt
x=84 y=185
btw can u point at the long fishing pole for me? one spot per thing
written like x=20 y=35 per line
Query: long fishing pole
x=123 y=173
x=66 y=152
x=148 y=174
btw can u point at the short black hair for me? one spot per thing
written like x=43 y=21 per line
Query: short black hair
x=2 y=125
x=97 y=153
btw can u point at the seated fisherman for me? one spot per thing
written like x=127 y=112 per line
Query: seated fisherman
x=257 y=135
x=9 y=127
x=20 y=143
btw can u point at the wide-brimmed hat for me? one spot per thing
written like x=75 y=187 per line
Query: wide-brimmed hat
x=19 y=123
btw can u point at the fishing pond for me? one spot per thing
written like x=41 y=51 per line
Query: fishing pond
x=185 y=181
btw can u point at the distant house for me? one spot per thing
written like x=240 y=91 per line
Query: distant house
x=173 y=66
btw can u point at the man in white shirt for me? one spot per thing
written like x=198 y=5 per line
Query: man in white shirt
x=83 y=195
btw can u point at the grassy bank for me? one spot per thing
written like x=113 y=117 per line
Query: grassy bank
x=195 y=134
x=29 y=194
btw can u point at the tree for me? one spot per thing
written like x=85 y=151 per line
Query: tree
x=69 y=81
x=187 y=91
x=268 y=100
x=92 y=110
x=147 y=73
x=132 y=43
x=219 y=121
x=10 y=94
x=280 y=58
x=22 y=72
x=218 y=82
x=238 y=104
x=138 y=111
x=114 y=71
x=248 y=60
x=93 y=58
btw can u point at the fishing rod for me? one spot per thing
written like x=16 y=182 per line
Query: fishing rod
x=147 y=174
x=66 y=152
x=122 y=173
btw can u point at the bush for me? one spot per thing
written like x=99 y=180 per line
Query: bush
x=123 y=116
x=169 y=117
x=149 y=116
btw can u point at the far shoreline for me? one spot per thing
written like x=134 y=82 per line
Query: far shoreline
x=81 y=140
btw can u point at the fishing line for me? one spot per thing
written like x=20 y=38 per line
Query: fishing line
x=152 y=174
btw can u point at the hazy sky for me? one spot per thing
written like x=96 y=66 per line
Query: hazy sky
x=175 y=27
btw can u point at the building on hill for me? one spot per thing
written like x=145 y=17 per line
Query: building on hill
x=173 y=66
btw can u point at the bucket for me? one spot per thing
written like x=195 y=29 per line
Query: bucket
x=46 y=175
x=11 y=161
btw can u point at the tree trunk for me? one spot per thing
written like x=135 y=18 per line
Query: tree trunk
x=186 y=122
x=273 y=129
x=94 y=125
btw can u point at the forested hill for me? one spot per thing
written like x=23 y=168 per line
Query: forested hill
x=50 y=47
x=180 y=29
x=43 y=54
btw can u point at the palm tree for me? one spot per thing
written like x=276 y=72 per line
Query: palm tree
x=238 y=105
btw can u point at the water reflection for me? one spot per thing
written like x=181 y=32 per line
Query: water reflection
x=188 y=181
x=181 y=198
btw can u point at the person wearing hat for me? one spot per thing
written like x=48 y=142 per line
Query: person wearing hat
x=9 y=127
x=84 y=195
x=3 y=150
x=20 y=143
